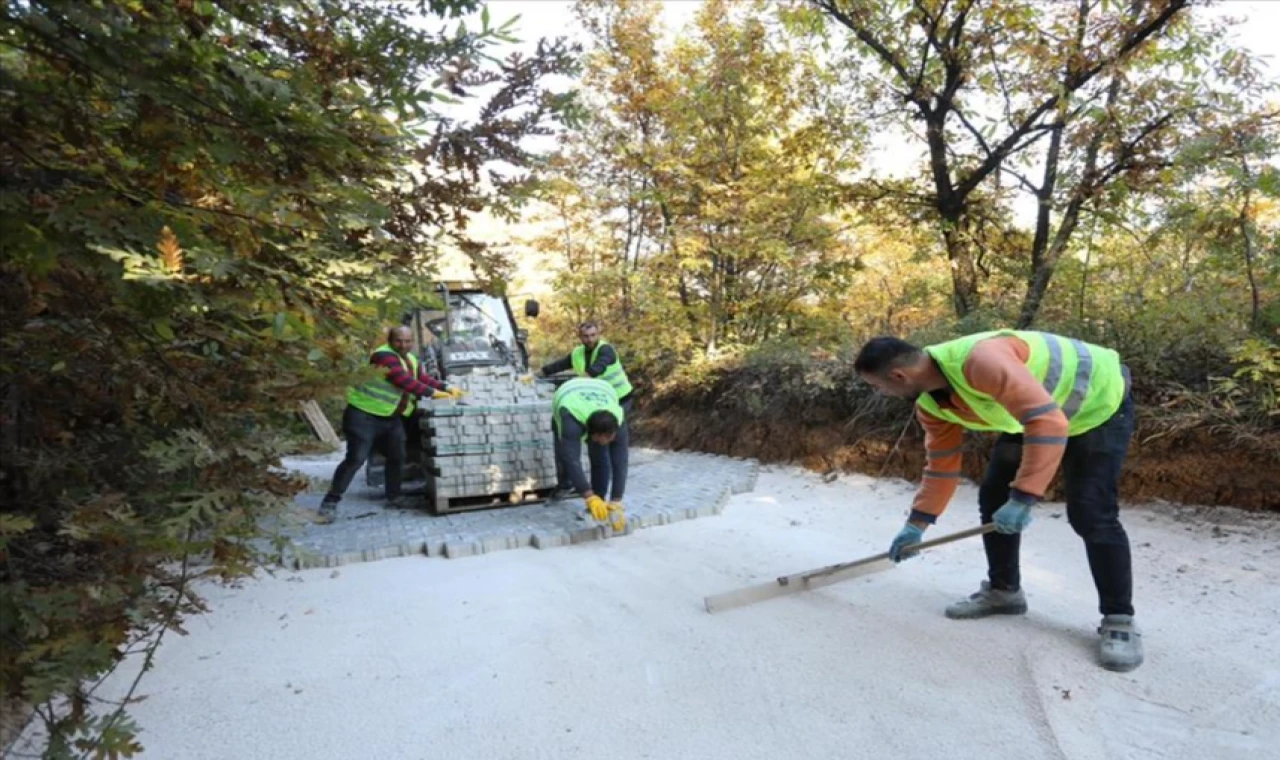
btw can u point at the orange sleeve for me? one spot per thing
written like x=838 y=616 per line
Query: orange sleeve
x=942 y=443
x=998 y=368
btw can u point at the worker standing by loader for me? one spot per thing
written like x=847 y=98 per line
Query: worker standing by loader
x=376 y=413
x=596 y=357
x=1055 y=401
x=588 y=408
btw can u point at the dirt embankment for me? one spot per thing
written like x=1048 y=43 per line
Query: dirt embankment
x=817 y=416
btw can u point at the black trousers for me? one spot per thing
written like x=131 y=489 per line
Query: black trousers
x=363 y=431
x=1091 y=476
x=609 y=464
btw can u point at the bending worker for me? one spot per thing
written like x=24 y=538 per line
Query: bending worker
x=588 y=408
x=376 y=413
x=596 y=357
x=1054 y=401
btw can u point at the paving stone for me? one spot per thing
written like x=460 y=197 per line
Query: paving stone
x=549 y=540
x=664 y=487
x=434 y=546
x=460 y=548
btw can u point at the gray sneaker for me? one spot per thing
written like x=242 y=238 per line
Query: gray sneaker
x=989 y=601
x=1121 y=643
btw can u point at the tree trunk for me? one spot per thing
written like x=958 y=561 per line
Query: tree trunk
x=566 y=223
x=669 y=236
x=626 y=256
x=716 y=304
x=1084 y=274
x=1246 y=232
x=1042 y=263
x=1043 y=274
x=966 y=295
x=1044 y=258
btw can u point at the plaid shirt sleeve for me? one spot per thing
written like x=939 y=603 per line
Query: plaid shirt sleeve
x=398 y=375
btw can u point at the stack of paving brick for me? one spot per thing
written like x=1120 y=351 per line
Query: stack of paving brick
x=496 y=445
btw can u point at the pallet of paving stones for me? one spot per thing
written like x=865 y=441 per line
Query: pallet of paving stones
x=494 y=448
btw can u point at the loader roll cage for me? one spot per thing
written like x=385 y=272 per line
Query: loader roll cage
x=474 y=328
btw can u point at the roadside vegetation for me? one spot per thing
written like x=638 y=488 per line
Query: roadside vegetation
x=1105 y=171
x=208 y=206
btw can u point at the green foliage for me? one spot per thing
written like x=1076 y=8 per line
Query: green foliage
x=699 y=208
x=1256 y=381
x=1161 y=226
x=203 y=204
x=1057 y=103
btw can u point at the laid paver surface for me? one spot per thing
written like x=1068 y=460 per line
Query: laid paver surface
x=663 y=487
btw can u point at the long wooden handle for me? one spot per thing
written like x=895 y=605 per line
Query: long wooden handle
x=825 y=576
x=906 y=552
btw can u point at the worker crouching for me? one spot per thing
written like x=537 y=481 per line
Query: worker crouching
x=586 y=409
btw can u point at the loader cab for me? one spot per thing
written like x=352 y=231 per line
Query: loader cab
x=471 y=328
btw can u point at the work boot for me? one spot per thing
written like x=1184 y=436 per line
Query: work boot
x=989 y=601
x=328 y=510
x=1121 y=643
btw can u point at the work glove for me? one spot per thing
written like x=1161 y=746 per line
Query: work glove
x=619 y=514
x=527 y=379
x=598 y=508
x=457 y=392
x=1013 y=517
x=438 y=394
x=910 y=534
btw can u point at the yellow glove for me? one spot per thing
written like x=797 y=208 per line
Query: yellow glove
x=599 y=509
x=441 y=394
x=619 y=516
x=526 y=379
x=457 y=392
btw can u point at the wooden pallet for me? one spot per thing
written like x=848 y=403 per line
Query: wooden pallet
x=447 y=504
x=314 y=416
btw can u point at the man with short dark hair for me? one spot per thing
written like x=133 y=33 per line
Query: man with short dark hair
x=596 y=357
x=1054 y=401
x=375 y=415
x=588 y=409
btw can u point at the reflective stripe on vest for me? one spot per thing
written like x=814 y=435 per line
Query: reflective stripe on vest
x=1083 y=379
x=614 y=374
x=583 y=397
x=380 y=397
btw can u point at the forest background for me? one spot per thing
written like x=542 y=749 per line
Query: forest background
x=210 y=208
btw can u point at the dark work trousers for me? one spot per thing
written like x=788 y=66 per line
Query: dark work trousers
x=1091 y=477
x=609 y=463
x=363 y=431
x=569 y=453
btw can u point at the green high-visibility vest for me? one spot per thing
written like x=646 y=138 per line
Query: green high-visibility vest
x=379 y=397
x=583 y=397
x=1085 y=380
x=614 y=374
